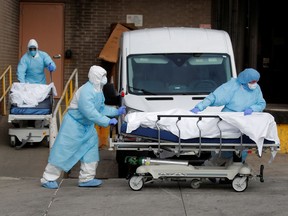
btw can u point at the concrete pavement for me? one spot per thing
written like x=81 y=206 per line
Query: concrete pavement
x=22 y=195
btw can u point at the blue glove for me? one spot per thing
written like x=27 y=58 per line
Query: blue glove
x=248 y=111
x=122 y=110
x=51 y=68
x=195 y=110
x=113 y=121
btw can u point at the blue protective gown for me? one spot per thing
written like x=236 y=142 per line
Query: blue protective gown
x=235 y=97
x=31 y=69
x=77 y=138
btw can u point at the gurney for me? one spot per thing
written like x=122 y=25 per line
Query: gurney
x=30 y=104
x=178 y=132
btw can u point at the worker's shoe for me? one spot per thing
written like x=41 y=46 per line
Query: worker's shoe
x=50 y=185
x=91 y=183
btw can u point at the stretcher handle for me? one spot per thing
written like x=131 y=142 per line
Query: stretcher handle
x=187 y=116
x=111 y=130
x=51 y=77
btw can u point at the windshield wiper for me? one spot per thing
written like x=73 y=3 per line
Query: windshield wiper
x=142 y=90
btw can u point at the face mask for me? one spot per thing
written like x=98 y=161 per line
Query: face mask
x=103 y=81
x=252 y=86
x=32 y=53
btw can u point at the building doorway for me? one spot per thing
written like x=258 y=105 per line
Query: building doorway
x=45 y=23
x=272 y=53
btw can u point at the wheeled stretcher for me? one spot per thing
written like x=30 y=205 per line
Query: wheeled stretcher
x=186 y=134
x=159 y=170
x=30 y=119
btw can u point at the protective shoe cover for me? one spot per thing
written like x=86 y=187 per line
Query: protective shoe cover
x=50 y=185
x=91 y=183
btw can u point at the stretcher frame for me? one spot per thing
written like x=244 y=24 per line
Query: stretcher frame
x=161 y=147
x=238 y=173
x=29 y=134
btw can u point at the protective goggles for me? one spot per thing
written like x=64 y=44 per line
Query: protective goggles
x=253 y=81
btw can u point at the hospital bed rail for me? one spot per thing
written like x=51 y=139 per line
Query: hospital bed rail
x=165 y=144
x=6 y=83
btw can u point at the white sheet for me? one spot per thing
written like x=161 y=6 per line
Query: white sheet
x=30 y=95
x=258 y=126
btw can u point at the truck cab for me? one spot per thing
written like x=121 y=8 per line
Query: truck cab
x=171 y=67
x=166 y=68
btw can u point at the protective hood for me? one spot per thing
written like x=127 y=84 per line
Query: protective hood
x=248 y=75
x=95 y=75
x=32 y=43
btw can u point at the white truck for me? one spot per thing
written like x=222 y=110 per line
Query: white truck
x=170 y=67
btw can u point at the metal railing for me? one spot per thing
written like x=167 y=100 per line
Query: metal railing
x=62 y=105
x=6 y=83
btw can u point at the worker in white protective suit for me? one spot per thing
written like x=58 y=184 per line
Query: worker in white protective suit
x=241 y=94
x=77 y=138
x=33 y=63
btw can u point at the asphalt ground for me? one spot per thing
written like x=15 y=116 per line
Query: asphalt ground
x=22 y=194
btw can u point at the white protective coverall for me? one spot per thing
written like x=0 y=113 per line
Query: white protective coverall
x=77 y=138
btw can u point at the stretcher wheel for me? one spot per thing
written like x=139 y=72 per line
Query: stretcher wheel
x=240 y=184
x=195 y=183
x=136 y=183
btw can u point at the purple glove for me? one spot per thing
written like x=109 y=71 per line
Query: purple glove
x=51 y=68
x=248 y=111
x=195 y=110
x=113 y=121
x=122 y=110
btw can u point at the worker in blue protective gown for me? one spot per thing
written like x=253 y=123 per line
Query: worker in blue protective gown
x=33 y=63
x=77 y=139
x=241 y=94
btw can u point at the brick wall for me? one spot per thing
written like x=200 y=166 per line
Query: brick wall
x=9 y=22
x=87 y=24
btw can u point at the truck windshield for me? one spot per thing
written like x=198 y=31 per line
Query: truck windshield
x=178 y=74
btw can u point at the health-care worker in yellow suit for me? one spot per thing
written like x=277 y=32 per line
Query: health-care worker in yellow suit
x=77 y=138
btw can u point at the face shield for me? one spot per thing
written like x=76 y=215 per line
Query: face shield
x=32 y=51
x=252 y=85
x=32 y=47
x=103 y=81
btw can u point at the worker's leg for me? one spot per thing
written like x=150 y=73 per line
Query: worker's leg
x=225 y=158
x=50 y=175
x=87 y=175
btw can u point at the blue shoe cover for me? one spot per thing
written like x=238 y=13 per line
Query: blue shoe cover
x=91 y=183
x=50 y=185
